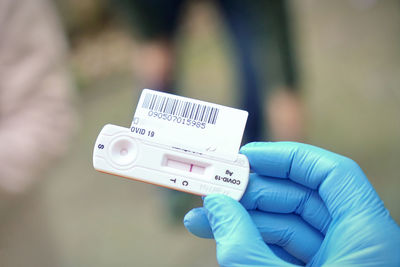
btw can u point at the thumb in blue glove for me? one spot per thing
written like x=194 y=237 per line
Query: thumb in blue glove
x=287 y=235
x=236 y=235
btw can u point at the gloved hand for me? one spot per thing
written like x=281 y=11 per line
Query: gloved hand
x=303 y=205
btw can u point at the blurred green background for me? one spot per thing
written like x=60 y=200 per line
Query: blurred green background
x=349 y=64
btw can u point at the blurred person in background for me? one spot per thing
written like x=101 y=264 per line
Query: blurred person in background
x=36 y=114
x=36 y=117
x=262 y=44
x=262 y=41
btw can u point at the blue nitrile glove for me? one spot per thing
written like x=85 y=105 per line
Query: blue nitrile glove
x=303 y=205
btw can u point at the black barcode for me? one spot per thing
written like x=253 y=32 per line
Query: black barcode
x=181 y=108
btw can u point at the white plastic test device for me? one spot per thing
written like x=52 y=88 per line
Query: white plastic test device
x=179 y=143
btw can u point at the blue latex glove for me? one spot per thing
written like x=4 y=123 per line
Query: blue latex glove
x=303 y=205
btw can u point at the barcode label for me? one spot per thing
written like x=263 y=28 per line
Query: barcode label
x=192 y=125
x=181 y=108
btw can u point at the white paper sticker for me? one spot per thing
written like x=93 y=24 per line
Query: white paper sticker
x=189 y=124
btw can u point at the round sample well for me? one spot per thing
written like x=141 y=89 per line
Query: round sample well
x=123 y=151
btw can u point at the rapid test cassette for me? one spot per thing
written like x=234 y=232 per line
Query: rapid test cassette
x=179 y=143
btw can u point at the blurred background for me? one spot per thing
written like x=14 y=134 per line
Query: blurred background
x=321 y=72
